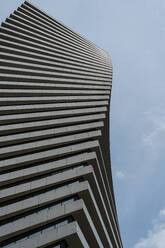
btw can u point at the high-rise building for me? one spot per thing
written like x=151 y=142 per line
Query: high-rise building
x=56 y=185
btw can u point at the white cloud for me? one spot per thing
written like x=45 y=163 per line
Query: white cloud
x=150 y=137
x=120 y=174
x=153 y=138
x=156 y=236
x=162 y=212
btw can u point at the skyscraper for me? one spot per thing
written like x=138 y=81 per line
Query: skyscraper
x=56 y=185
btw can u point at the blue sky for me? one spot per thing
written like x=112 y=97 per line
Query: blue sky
x=133 y=32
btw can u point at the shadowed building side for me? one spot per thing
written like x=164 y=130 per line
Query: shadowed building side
x=56 y=185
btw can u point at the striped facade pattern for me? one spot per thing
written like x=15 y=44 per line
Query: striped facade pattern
x=55 y=178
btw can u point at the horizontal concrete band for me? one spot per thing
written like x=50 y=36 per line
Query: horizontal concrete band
x=21 y=175
x=10 y=58
x=19 y=18
x=44 y=17
x=49 y=66
x=46 y=124
x=11 y=48
x=12 y=24
x=34 y=46
x=83 y=190
x=31 y=32
x=55 y=179
x=29 y=159
x=71 y=232
x=47 y=115
x=55 y=90
x=36 y=71
x=25 y=21
x=37 y=135
x=77 y=209
x=46 y=143
x=44 y=183
x=47 y=99
x=14 y=42
x=50 y=167
x=50 y=85
x=41 y=107
x=22 y=17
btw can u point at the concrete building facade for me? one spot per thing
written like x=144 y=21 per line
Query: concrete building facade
x=56 y=185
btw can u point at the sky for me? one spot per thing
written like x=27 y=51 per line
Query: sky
x=133 y=33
